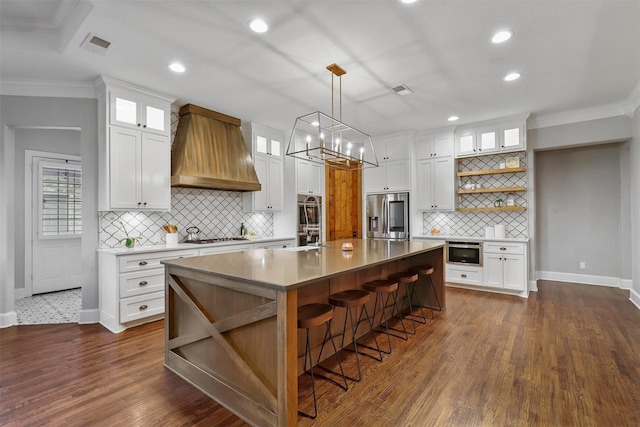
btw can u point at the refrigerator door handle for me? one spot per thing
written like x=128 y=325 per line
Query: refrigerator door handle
x=385 y=215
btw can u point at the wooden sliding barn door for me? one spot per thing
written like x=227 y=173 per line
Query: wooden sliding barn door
x=344 y=203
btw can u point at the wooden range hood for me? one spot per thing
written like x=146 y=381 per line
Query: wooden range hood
x=210 y=152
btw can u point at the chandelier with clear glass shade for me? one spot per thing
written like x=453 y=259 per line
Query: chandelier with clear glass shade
x=324 y=139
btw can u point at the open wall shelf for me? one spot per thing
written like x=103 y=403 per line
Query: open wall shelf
x=493 y=190
x=494 y=209
x=491 y=171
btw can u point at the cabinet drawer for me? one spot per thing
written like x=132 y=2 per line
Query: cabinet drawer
x=148 y=261
x=463 y=275
x=141 y=306
x=223 y=249
x=504 y=248
x=141 y=282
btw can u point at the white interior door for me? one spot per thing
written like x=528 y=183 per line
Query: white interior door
x=57 y=225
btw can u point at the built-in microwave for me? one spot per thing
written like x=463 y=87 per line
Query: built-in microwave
x=466 y=253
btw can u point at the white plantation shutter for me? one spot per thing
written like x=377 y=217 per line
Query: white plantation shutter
x=60 y=199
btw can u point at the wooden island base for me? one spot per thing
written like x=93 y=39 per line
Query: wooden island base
x=231 y=318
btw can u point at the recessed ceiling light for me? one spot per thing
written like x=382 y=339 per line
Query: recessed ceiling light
x=511 y=77
x=177 y=67
x=502 y=36
x=453 y=118
x=258 y=25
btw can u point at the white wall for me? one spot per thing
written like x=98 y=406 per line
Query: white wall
x=61 y=141
x=26 y=112
x=635 y=209
x=578 y=210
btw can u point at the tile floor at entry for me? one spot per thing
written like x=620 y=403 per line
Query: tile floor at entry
x=53 y=307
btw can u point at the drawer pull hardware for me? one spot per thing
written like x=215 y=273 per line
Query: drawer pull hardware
x=463 y=275
x=144 y=307
x=142 y=263
x=143 y=283
x=503 y=249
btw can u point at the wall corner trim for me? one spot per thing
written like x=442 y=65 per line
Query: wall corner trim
x=634 y=297
x=8 y=319
x=89 y=316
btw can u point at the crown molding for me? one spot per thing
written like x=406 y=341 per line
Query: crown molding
x=622 y=108
x=48 y=89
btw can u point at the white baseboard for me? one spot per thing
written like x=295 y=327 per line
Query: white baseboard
x=533 y=285
x=626 y=283
x=8 y=319
x=612 y=282
x=89 y=316
x=634 y=297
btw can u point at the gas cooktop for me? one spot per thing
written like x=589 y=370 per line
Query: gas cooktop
x=216 y=240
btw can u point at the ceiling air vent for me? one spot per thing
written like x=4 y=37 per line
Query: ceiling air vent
x=96 y=44
x=402 y=90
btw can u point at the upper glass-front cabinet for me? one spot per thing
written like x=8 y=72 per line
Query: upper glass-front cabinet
x=136 y=110
x=512 y=138
x=265 y=145
x=490 y=138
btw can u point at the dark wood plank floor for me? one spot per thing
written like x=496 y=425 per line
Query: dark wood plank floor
x=567 y=356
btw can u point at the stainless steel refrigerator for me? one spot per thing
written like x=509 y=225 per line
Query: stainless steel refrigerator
x=388 y=216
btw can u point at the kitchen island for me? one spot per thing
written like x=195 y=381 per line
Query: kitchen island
x=231 y=326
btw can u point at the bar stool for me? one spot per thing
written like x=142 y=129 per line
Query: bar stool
x=409 y=278
x=354 y=299
x=381 y=288
x=309 y=316
x=426 y=271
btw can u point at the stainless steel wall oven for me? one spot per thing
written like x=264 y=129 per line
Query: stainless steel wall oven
x=309 y=220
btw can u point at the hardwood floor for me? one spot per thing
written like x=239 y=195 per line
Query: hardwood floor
x=567 y=356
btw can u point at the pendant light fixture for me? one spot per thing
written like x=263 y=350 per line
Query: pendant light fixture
x=322 y=139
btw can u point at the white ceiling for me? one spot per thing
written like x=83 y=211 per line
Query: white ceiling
x=572 y=55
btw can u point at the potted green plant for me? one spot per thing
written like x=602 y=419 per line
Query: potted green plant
x=498 y=203
x=129 y=241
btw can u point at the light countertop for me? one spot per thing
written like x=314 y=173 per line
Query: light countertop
x=292 y=267
x=182 y=246
x=451 y=238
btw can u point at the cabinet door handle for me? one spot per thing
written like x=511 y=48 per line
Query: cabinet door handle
x=144 y=126
x=139 y=203
x=143 y=283
x=142 y=263
x=463 y=275
x=139 y=124
x=144 y=307
x=145 y=203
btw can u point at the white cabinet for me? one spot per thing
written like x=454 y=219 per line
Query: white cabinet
x=275 y=245
x=463 y=274
x=309 y=177
x=394 y=157
x=224 y=249
x=504 y=265
x=266 y=147
x=429 y=146
x=435 y=179
x=131 y=287
x=138 y=110
x=139 y=167
x=490 y=138
x=134 y=148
